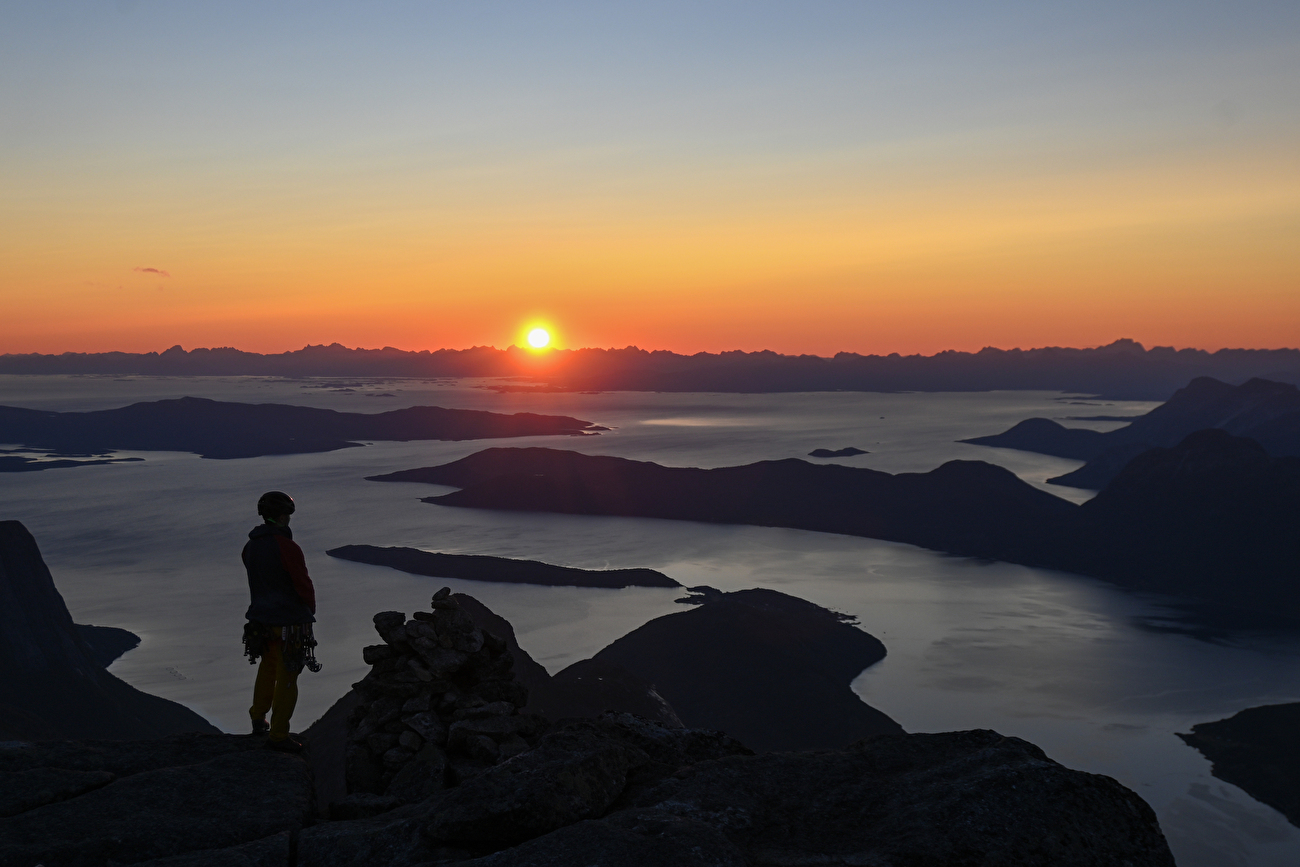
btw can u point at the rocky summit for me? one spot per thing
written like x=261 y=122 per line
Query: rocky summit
x=439 y=705
x=442 y=767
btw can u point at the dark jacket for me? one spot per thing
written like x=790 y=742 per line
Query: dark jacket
x=282 y=591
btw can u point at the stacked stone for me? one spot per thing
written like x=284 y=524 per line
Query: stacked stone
x=439 y=705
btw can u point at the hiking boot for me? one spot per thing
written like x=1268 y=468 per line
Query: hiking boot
x=260 y=727
x=287 y=745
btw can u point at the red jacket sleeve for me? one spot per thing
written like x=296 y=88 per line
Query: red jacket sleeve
x=296 y=564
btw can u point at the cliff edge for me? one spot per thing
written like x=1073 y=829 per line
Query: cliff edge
x=52 y=679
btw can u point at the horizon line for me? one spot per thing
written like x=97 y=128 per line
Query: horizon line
x=1118 y=343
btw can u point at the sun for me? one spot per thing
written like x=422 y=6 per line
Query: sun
x=538 y=338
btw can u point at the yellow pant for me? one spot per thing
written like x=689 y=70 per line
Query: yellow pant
x=276 y=690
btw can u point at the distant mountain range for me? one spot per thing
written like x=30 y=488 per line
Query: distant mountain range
x=1213 y=518
x=218 y=429
x=1266 y=412
x=1123 y=369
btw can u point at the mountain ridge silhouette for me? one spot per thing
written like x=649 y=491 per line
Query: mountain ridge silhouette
x=1123 y=369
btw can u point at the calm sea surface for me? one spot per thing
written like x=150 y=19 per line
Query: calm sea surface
x=1099 y=678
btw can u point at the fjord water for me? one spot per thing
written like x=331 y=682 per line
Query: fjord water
x=1099 y=678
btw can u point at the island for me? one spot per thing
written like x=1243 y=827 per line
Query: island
x=221 y=429
x=478 y=567
x=846 y=452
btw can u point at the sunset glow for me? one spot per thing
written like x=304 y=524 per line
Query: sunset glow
x=852 y=177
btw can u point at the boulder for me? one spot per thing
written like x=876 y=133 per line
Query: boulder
x=576 y=772
x=973 y=797
x=243 y=795
x=631 y=840
x=388 y=840
x=361 y=805
x=328 y=755
x=123 y=758
x=391 y=626
x=620 y=790
x=423 y=776
x=563 y=780
x=273 y=851
x=25 y=790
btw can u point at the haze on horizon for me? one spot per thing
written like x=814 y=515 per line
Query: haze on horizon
x=906 y=177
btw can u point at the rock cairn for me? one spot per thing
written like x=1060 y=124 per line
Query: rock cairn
x=440 y=704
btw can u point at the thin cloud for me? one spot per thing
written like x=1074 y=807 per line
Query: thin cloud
x=158 y=271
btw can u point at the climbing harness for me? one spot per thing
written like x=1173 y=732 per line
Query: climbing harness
x=297 y=641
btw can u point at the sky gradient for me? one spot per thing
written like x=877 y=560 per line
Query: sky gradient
x=867 y=177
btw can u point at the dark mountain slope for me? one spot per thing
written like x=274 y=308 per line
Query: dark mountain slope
x=1257 y=750
x=770 y=669
x=1214 y=517
x=52 y=681
x=217 y=429
x=1268 y=412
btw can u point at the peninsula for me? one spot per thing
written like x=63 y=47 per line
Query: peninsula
x=965 y=507
x=751 y=663
x=1175 y=520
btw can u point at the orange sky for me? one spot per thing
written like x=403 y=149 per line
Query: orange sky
x=1162 y=206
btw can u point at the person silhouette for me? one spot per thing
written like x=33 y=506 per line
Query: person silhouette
x=280 y=614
